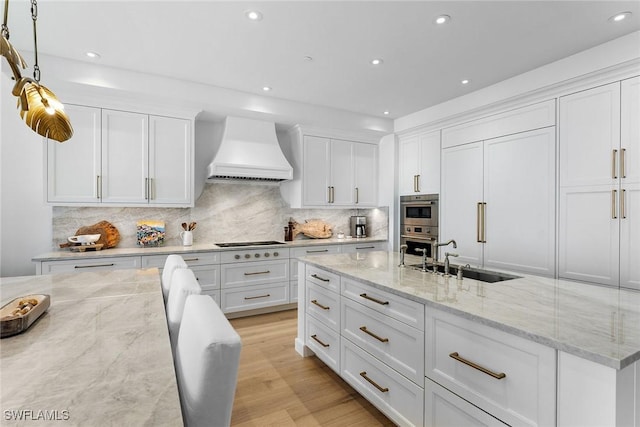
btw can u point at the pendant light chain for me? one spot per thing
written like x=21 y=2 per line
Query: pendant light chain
x=34 y=17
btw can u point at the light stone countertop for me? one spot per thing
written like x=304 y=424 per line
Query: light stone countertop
x=596 y=323
x=63 y=254
x=100 y=355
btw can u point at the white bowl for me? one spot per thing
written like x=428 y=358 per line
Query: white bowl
x=85 y=239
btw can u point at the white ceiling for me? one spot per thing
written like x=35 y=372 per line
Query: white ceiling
x=212 y=42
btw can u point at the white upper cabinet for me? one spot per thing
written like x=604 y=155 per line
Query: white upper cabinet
x=420 y=163
x=600 y=185
x=331 y=171
x=122 y=159
x=73 y=167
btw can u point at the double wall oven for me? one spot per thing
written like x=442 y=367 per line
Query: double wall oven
x=419 y=222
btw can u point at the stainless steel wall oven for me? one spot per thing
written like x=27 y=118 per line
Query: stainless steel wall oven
x=419 y=222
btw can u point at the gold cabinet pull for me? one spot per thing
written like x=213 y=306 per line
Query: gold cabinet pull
x=94 y=265
x=357 y=195
x=495 y=375
x=484 y=222
x=623 y=210
x=365 y=296
x=368 y=332
x=315 y=301
x=98 y=187
x=614 y=213
x=315 y=276
x=152 y=189
x=315 y=337
x=479 y=222
x=333 y=194
x=259 y=296
x=364 y=247
x=614 y=166
x=623 y=172
x=191 y=259
x=329 y=194
x=146 y=188
x=315 y=251
x=257 y=272
x=417 y=183
x=363 y=374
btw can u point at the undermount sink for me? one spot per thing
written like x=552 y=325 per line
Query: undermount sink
x=481 y=275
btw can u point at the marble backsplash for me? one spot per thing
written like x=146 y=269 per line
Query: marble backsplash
x=225 y=212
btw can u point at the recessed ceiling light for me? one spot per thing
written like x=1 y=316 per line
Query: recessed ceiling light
x=443 y=19
x=620 y=16
x=266 y=88
x=308 y=58
x=93 y=55
x=386 y=113
x=253 y=15
x=465 y=81
x=377 y=61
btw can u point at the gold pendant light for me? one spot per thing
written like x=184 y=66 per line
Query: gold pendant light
x=38 y=106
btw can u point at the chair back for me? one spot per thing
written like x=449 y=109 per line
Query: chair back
x=207 y=360
x=173 y=261
x=183 y=284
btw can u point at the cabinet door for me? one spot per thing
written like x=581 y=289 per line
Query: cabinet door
x=589 y=234
x=315 y=170
x=366 y=174
x=630 y=237
x=124 y=157
x=73 y=168
x=170 y=160
x=409 y=165
x=342 y=173
x=519 y=192
x=589 y=134
x=461 y=194
x=630 y=130
x=429 y=173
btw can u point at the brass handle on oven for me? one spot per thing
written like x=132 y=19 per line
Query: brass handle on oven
x=495 y=375
x=365 y=296
x=315 y=337
x=257 y=272
x=315 y=301
x=368 y=332
x=315 y=276
x=614 y=166
x=363 y=374
x=614 y=213
x=259 y=296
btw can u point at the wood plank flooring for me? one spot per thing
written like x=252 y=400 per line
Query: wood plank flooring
x=278 y=387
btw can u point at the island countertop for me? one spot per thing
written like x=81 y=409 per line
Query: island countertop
x=596 y=323
x=100 y=355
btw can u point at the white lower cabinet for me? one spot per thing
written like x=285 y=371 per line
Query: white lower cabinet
x=445 y=409
x=91 y=264
x=511 y=378
x=397 y=397
x=324 y=342
x=363 y=247
x=253 y=297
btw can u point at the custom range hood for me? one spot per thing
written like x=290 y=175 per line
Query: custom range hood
x=249 y=150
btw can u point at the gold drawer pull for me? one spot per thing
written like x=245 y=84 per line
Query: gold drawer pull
x=363 y=374
x=368 y=332
x=259 y=296
x=365 y=296
x=257 y=272
x=498 y=376
x=191 y=259
x=315 y=276
x=315 y=337
x=94 y=265
x=365 y=247
x=316 y=251
x=315 y=301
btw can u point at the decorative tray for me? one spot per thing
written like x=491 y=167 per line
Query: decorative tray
x=18 y=315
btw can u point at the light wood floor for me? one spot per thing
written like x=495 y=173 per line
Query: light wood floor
x=278 y=387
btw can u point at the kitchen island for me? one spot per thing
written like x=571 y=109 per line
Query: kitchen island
x=100 y=355
x=573 y=348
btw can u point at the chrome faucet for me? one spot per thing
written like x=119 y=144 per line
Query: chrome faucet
x=446 y=263
x=403 y=250
x=434 y=250
x=424 y=258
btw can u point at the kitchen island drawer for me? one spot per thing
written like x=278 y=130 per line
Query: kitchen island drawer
x=324 y=342
x=89 y=264
x=314 y=250
x=207 y=275
x=260 y=272
x=191 y=258
x=323 y=278
x=324 y=305
x=391 y=341
x=399 y=308
x=510 y=377
x=397 y=397
x=257 y=296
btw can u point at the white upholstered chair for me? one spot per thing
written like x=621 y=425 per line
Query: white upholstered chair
x=207 y=359
x=183 y=284
x=170 y=265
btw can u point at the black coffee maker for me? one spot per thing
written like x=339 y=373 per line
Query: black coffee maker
x=358 y=226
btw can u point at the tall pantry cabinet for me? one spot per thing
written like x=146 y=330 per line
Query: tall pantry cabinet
x=599 y=223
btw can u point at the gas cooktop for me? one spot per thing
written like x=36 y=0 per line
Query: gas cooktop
x=241 y=244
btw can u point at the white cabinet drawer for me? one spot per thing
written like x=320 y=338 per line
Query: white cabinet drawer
x=208 y=276
x=78 y=265
x=363 y=247
x=323 y=278
x=391 y=341
x=258 y=296
x=314 y=250
x=293 y=291
x=399 y=308
x=397 y=397
x=192 y=258
x=526 y=395
x=443 y=408
x=324 y=305
x=254 y=272
x=324 y=342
